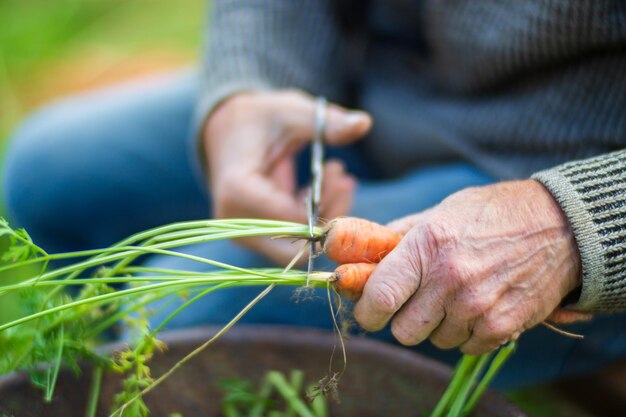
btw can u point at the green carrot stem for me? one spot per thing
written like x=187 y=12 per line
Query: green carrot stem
x=296 y=379
x=248 y=277
x=461 y=397
x=296 y=231
x=197 y=351
x=289 y=394
x=230 y=410
x=464 y=366
x=94 y=392
x=52 y=377
x=112 y=319
x=187 y=304
x=128 y=251
x=262 y=399
x=147 y=250
x=205 y=225
x=319 y=405
x=207 y=277
x=501 y=356
x=93 y=300
x=186 y=226
x=163 y=271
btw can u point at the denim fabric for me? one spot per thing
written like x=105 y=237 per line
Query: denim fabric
x=92 y=169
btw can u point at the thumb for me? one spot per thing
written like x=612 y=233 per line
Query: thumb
x=391 y=284
x=342 y=126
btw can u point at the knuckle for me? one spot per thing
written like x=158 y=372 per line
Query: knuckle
x=402 y=334
x=498 y=329
x=433 y=237
x=437 y=233
x=469 y=350
x=457 y=271
x=442 y=342
x=410 y=253
x=472 y=307
x=386 y=297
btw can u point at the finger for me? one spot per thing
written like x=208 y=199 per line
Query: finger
x=493 y=331
x=477 y=346
x=257 y=196
x=337 y=191
x=391 y=284
x=452 y=332
x=283 y=175
x=563 y=316
x=342 y=126
x=464 y=308
x=419 y=317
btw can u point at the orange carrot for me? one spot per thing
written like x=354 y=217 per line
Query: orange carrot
x=351 y=278
x=352 y=240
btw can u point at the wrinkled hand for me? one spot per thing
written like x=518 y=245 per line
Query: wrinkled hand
x=250 y=141
x=476 y=270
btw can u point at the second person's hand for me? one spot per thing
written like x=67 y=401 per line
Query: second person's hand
x=250 y=142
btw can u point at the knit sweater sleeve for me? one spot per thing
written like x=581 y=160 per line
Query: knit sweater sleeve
x=592 y=194
x=260 y=45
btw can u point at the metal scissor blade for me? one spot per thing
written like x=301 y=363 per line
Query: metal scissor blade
x=317 y=168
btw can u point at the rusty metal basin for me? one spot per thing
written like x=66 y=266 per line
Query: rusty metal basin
x=380 y=380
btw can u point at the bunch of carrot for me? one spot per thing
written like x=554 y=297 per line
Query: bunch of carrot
x=356 y=244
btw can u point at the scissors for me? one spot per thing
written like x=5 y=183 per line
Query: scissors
x=317 y=168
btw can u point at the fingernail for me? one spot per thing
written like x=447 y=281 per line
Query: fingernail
x=355 y=118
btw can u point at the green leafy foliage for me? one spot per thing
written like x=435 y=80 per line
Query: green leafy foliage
x=277 y=395
x=238 y=393
x=134 y=363
x=21 y=246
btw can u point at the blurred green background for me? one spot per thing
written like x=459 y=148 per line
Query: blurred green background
x=51 y=48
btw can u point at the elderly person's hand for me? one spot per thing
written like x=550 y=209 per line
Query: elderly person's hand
x=250 y=142
x=476 y=270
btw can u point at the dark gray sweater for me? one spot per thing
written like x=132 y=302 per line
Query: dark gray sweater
x=520 y=88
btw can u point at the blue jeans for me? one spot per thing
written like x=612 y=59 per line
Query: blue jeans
x=94 y=168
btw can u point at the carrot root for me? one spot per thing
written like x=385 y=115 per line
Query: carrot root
x=350 y=279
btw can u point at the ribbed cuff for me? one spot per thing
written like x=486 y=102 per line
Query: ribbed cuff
x=586 y=237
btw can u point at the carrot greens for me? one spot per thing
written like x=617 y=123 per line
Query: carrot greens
x=73 y=301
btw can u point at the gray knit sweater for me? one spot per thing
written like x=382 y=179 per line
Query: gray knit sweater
x=520 y=88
